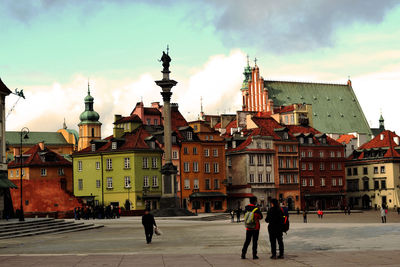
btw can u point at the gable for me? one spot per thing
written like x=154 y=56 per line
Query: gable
x=335 y=106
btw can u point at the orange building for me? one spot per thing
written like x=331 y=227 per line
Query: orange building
x=47 y=181
x=203 y=178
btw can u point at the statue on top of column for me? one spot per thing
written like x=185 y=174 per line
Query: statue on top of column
x=165 y=58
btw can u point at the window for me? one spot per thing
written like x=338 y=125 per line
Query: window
x=294 y=162
x=187 y=184
x=310 y=154
x=114 y=145
x=267 y=145
x=186 y=167
x=92 y=132
x=189 y=135
x=340 y=181
x=109 y=182
x=145 y=163
x=355 y=171
x=310 y=140
x=295 y=179
x=93 y=147
x=215 y=152
x=376 y=184
x=206 y=152
x=258 y=144
x=260 y=177
x=322 y=181
x=195 y=166
x=382 y=169
x=175 y=154
x=365 y=170
x=281 y=179
x=310 y=166
x=43 y=172
x=185 y=151
x=218 y=205
x=366 y=185
x=145 y=181
x=287 y=148
x=207 y=184
x=109 y=164
x=303 y=166
x=155 y=121
x=332 y=154
x=280 y=162
x=332 y=166
x=303 y=154
x=321 y=154
x=216 y=168
x=251 y=159
x=311 y=182
x=288 y=179
x=348 y=171
x=229 y=162
x=155 y=181
x=304 y=182
x=268 y=159
x=268 y=177
x=280 y=148
x=80 y=184
x=338 y=154
x=207 y=137
x=285 y=136
x=260 y=160
x=127 y=163
x=333 y=181
x=211 y=137
x=195 y=151
x=288 y=163
x=97 y=183
x=196 y=183
x=339 y=166
x=22 y=172
x=11 y=174
x=60 y=172
x=375 y=170
x=16 y=173
x=301 y=140
x=97 y=165
x=127 y=181
x=251 y=178
x=207 y=167
x=383 y=184
x=216 y=184
x=79 y=165
x=154 y=162
x=294 y=148
x=322 y=166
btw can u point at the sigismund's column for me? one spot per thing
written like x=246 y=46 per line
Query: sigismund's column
x=169 y=197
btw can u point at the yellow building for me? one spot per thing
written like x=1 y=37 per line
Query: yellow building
x=373 y=171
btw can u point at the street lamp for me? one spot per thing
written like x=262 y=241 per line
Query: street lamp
x=24 y=132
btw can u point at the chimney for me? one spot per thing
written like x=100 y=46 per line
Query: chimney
x=396 y=140
x=41 y=145
x=349 y=82
x=382 y=136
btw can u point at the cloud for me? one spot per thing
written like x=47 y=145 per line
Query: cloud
x=290 y=26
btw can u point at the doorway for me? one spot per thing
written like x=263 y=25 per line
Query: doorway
x=207 y=207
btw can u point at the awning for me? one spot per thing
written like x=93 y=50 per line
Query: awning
x=240 y=195
x=151 y=196
x=325 y=195
x=207 y=194
x=4 y=182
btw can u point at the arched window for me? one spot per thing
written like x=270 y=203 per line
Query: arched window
x=92 y=132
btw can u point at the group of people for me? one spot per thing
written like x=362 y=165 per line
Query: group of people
x=236 y=212
x=275 y=219
x=97 y=212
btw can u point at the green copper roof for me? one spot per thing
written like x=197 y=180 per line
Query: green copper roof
x=335 y=106
x=49 y=138
x=89 y=116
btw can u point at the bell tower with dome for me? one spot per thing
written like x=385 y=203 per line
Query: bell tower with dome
x=89 y=127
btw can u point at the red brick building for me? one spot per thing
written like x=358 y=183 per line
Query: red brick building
x=47 y=181
x=322 y=174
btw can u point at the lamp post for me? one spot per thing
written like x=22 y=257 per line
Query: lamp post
x=24 y=132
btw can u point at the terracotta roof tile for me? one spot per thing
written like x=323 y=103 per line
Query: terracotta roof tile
x=131 y=118
x=345 y=138
x=386 y=142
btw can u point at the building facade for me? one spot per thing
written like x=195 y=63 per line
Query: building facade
x=373 y=171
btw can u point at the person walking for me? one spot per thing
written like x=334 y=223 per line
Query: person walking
x=148 y=222
x=383 y=215
x=252 y=227
x=238 y=212
x=304 y=216
x=232 y=213
x=275 y=228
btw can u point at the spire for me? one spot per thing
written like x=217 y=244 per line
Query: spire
x=255 y=61
x=381 y=123
x=64 y=125
x=88 y=87
x=201 y=104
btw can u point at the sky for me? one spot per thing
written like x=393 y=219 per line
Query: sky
x=52 y=48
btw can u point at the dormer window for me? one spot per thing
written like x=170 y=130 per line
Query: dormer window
x=174 y=139
x=310 y=141
x=114 y=145
x=285 y=136
x=301 y=140
x=93 y=147
x=152 y=144
x=189 y=135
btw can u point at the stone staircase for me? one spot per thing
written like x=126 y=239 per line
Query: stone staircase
x=15 y=228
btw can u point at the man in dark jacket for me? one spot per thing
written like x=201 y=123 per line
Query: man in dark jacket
x=252 y=233
x=275 y=228
x=148 y=222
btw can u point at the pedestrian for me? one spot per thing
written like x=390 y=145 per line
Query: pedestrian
x=383 y=215
x=304 y=216
x=252 y=221
x=321 y=213
x=348 y=210
x=275 y=228
x=232 y=213
x=345 y=210
x=148 y=223
x=238 y=212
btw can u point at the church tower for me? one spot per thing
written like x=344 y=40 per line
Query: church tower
x=89 y=127
x=254 y=95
